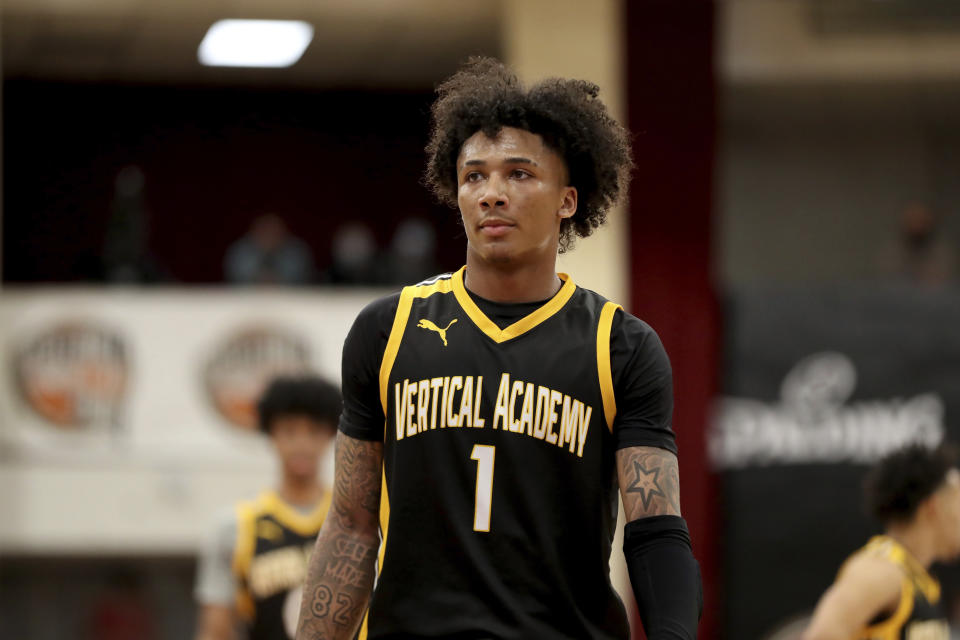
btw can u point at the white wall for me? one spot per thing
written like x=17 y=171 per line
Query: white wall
x=151 y=482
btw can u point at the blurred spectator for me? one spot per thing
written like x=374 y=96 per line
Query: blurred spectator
x=354 y=256
x=269 y=254
x=412 y=253
x=924 y=256
x=126 y=258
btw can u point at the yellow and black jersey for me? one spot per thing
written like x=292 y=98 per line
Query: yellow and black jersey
x=500 y=425
x=918 y=615
x=274 y=542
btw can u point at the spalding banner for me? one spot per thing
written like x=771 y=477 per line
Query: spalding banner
x=813 y=423
x=819 y=384
x=73 y=375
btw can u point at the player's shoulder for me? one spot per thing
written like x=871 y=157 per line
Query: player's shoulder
x=621 y=317
x=627 y=331
x=222 y=528
x=873 y=565
x=252 y=506
x=380 y=307
x=872 y=579
x=634 y=329
x=437 y=280
x=381 y=311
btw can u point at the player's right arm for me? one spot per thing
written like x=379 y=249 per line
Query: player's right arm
x=216 y=622
x=216 y=586
x=342 y=568
x=664 y=574
x=867 y=587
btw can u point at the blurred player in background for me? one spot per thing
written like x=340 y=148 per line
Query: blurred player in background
x=253 y=566
x=884 y=591
x=496 y=406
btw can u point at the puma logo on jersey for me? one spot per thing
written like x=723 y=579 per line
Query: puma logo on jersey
x=429 y=326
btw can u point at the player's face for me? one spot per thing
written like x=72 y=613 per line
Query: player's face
x=300 y=441
x=947 y=515
x=512 y=194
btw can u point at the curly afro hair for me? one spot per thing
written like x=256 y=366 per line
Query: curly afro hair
x=486 y=96
x=897 y=486
x=303 y=395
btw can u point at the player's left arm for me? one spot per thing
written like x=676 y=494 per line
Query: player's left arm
x=663 y=572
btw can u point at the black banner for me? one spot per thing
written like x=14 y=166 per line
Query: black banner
x=818 y=384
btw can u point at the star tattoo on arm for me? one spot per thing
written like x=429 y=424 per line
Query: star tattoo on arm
x=645 y=483
x=649 y=482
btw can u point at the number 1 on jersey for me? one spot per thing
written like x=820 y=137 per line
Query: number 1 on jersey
x=483 y=454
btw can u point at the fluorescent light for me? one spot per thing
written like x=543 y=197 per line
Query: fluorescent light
x=255 y=43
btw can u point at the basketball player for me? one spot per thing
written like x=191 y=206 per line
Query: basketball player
x=884 y=591
x=254 y=565
x=489 y=413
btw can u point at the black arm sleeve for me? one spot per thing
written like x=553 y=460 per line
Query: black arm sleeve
x=665 y=577
x=363 y=351
x=642 y=385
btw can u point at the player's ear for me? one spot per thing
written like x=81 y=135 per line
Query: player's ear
x=568 y=202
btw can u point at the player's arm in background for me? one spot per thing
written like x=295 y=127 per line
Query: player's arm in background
x=663 y=572
x=215 y=622
x=867 y=587
x=342 y=567
x=216 y=583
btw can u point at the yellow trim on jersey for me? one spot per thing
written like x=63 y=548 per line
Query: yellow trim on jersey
x=246 y=608
x=304 y=524
x=393 y=342
x=889 y=629
x=246 y=538
x=407 y=295
x=522 y=325
x=888 y=548
x=915 y=576
x=384 y=520
x=603 y=362
x=442 y=284
x=384 y=526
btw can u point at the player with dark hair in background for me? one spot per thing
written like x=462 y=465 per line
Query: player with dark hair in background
x=490 y=414
x=884 y=591
x=253 y=566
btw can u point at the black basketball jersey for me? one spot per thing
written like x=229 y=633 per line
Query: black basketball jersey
x=274 y=542
x=499 y=497
x=918 y=615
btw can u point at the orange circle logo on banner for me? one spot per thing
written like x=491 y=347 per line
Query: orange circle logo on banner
x=74 y=374
x=244 y=364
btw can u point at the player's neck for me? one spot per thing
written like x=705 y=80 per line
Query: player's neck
x=511 y=282
x=917 y=540
x=298 y=491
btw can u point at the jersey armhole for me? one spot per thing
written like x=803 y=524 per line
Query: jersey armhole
x=889 y=629
x=393 y=343
x=604 y=371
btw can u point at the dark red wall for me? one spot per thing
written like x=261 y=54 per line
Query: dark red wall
x=671 y=107
x=214 y=159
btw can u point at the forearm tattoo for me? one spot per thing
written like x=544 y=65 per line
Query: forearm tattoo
x=649 y=482
x=342 y=568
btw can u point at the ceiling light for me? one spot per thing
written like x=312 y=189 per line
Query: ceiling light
x=255 y=43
